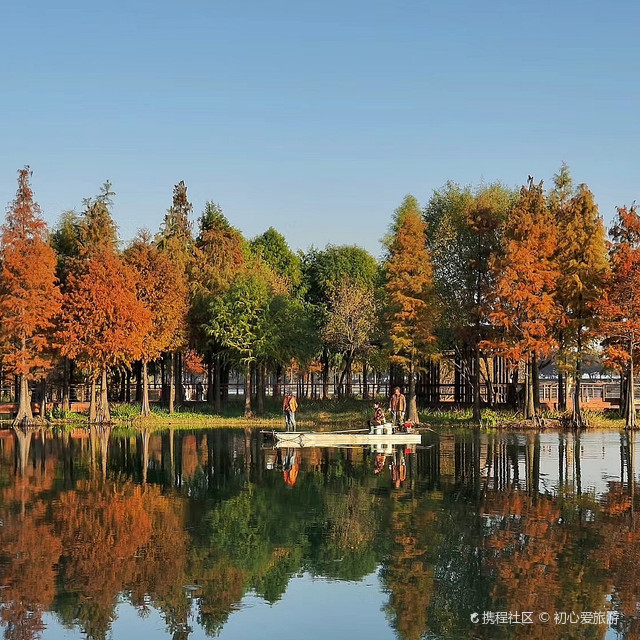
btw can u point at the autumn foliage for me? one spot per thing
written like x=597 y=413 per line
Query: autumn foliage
x=618 y=310
x=29 y=295
x=103 y=322
x=412 y=309
x=526 y=276
x=161 y=290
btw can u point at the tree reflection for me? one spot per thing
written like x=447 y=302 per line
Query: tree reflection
x=189 y=524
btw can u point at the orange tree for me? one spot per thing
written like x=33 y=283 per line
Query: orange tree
x=162 y=292
x=103 y=323
x=526 y=277
x=29 y=295
x=409 y=287
x=618 y=308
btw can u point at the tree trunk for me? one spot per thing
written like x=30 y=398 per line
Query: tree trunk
x=577 y=421
x=349 y=374
x=224 y=383
x=529 y=403
x=512 y=388
x=66 y=383
x=121 y=381
x=260 y=379
x=179 y=377
x=210 y=398
x=172 y=383
x=146 y=406
x=630 y=406
x=365 y=382
x=412 y=405
x=139 y=381
x=217 y=392
x=277 y=387
x=341 y=382
x=43 y=399
x=247 y=391
x=164 y=399
x=24 y=417
x=562 y=383
x=477 y=410
x=489 y=382
x=535 y=382
x=325 y=374
x=92 y=399
x=103 y=408
x=562 y=399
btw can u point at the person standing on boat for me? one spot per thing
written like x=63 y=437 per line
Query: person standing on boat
x=289 y=406
x=397 y=406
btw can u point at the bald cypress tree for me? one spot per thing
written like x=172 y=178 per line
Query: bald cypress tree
x=409 y=287
x=29 y=295
x=619 y=306
x=176 y=240
x=583 y=266
x=526 y=276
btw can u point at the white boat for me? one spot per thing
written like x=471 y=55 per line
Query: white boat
x=379 y=437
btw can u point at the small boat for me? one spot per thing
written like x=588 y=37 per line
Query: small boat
x=379 y=436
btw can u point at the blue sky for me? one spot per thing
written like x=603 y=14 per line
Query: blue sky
x=315 y=118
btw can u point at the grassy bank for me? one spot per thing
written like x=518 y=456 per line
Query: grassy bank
x=312 y=414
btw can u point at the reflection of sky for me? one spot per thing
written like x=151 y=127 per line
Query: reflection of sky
x=311 y=608
x=599 y=461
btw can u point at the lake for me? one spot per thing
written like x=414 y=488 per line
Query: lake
x=214 y=533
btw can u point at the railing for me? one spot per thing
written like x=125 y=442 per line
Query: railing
x=445 y=393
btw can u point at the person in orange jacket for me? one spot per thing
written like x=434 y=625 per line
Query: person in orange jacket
x=289 y=407
x=397 y=406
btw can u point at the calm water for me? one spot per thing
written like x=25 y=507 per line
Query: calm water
x=213 y=534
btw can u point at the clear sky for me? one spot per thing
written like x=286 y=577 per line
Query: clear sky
x=316 y=118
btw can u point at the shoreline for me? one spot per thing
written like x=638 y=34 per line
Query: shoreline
x=322 y=415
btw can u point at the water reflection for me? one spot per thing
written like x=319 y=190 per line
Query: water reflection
x=189 y=526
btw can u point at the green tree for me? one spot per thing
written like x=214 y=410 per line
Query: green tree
x=237 y=322
x=65 y=240
x=583 y=266
x=176 y=240
x=559 y=201
x=272 y=247
x=323 y=272
x=220 y=254
x=465 y=227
